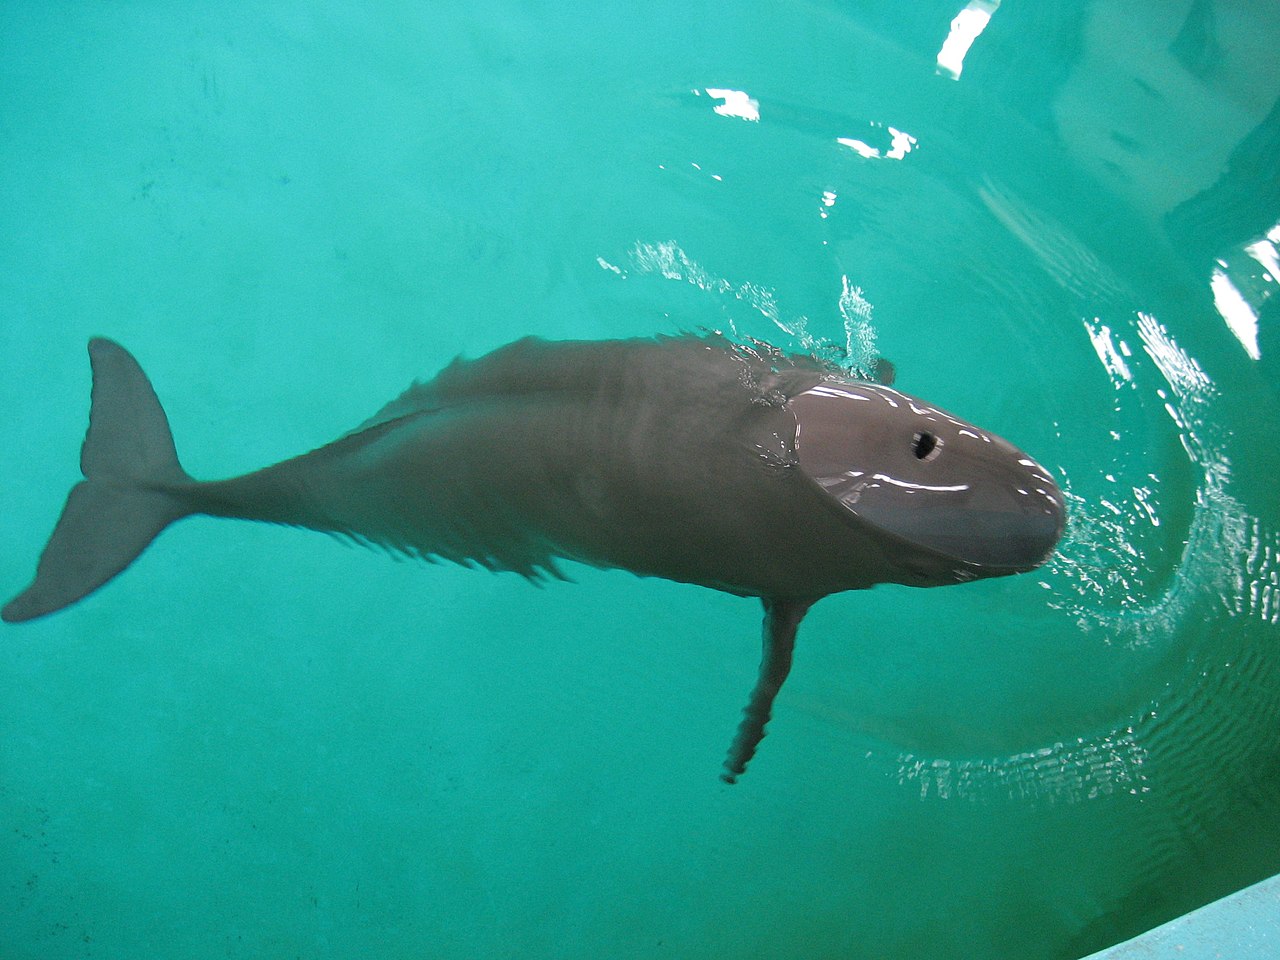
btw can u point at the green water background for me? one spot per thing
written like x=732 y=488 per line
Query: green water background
x=261 y=743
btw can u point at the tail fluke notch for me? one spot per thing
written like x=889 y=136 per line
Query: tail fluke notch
x=131 y=490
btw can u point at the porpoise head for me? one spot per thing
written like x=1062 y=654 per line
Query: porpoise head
x=953 y=502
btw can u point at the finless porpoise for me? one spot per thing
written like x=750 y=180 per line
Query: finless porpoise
x=697 y=459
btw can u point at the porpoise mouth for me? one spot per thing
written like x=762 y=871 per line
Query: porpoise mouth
x=1009 y=539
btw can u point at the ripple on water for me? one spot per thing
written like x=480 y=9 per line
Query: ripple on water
x=1193 y=747
x=1061 y=772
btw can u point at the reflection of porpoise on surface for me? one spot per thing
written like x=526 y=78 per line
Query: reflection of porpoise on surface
x=694 y=459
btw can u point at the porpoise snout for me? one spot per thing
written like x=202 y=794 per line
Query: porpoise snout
x=1027 y=532
x=953 y=491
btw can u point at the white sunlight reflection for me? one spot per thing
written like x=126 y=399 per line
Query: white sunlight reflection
x=899 y=146
x=965 y=28
x=1241 y=318
x=736 y=104
x=1264 y=252
x=1240 y=289
x=1113 y=357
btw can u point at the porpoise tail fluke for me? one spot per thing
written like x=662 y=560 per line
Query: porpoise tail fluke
x=132 y=489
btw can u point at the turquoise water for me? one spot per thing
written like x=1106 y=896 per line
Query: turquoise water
x=261 y=743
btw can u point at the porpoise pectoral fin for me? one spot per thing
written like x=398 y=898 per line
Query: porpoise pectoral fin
x=781 y=620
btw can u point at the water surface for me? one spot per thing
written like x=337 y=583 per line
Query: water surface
x=261 y=743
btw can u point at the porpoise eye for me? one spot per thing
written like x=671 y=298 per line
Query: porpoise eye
x=925 y=446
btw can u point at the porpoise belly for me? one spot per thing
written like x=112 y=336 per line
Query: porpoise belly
x=663 y=475
x=494 y=484
x=512 y=484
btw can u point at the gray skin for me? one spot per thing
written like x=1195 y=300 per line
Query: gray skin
x=694 y=459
